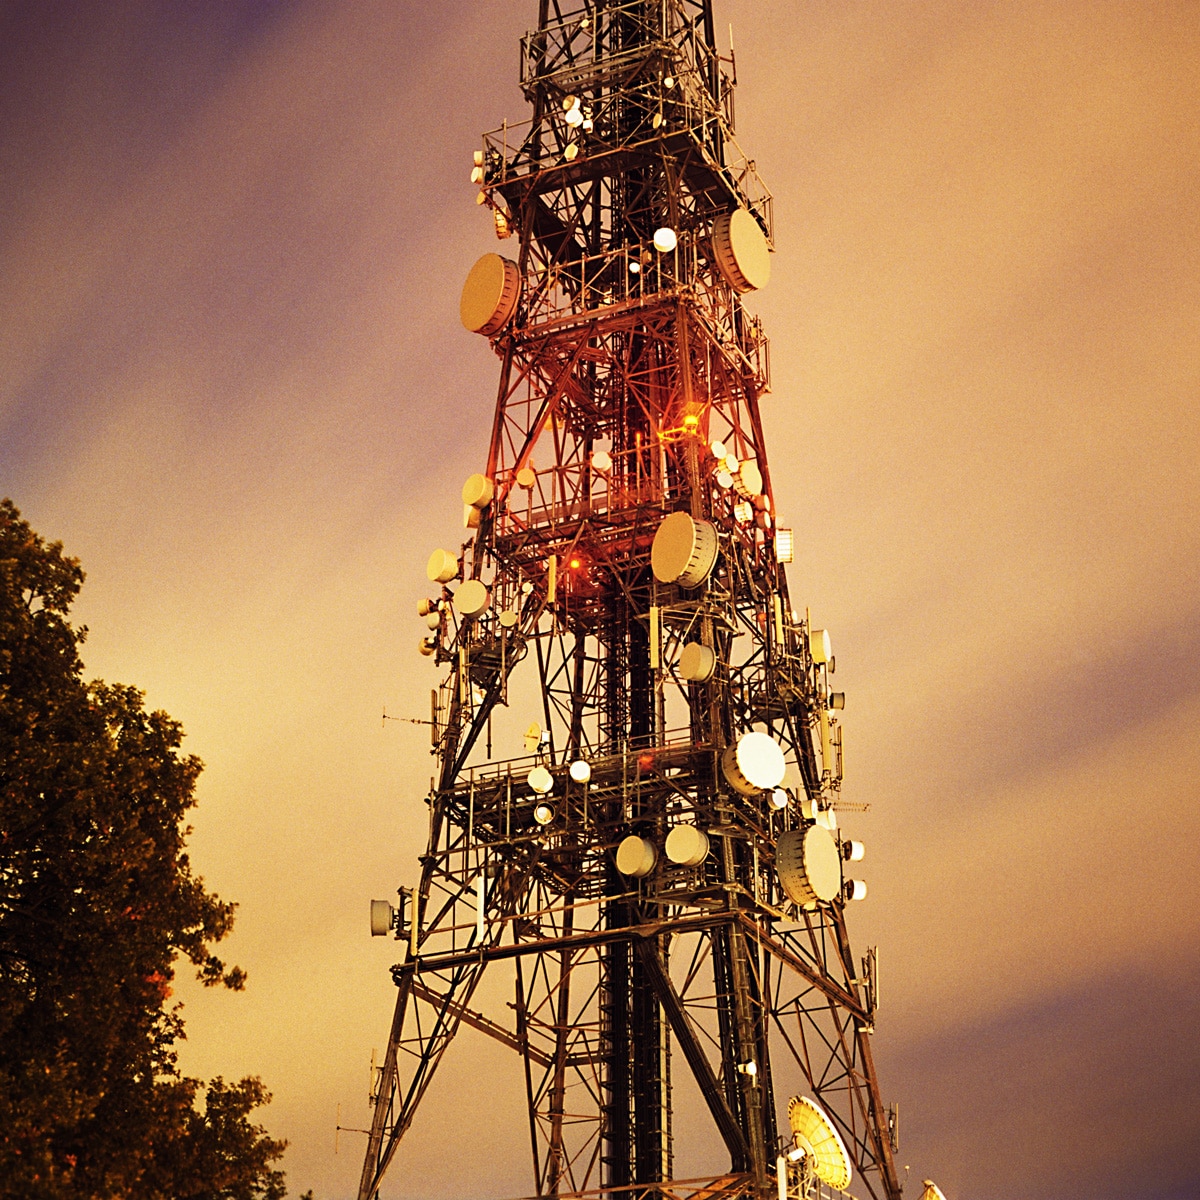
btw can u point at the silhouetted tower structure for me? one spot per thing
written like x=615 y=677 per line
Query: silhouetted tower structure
x=660 y=875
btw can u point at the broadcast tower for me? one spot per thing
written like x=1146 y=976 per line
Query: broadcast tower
x=660 y=877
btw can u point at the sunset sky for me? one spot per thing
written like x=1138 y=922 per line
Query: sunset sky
x=234 y=383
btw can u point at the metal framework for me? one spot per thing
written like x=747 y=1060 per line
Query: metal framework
x=621 y=366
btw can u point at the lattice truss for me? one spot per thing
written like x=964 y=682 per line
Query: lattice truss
x=621 y=367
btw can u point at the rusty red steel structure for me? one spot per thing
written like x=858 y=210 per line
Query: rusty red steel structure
x=629 y=391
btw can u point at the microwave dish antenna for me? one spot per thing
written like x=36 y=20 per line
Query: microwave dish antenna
x=814 y=1135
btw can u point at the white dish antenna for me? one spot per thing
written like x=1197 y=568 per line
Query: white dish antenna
x=819 y=645
x=742 y=251
x=383 y=916
x=472 y=598
x=819 y=1142
x=748 y=481
x=441 y=567
x=809 y=864
x=478 y=491
x=684 y=550
x=540 y=781
x=697 y=662
x=754 y=764
x=490 y=294
x=687 y=846
x=636 y=856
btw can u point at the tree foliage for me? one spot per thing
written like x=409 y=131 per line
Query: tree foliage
x=97 y=903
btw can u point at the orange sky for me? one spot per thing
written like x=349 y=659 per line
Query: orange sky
x=232 y=380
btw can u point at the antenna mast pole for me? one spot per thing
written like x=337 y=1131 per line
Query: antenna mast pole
x=660 y=879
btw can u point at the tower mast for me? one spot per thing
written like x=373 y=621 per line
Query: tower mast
x=660 y=876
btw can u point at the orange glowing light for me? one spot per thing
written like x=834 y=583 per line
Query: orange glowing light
x=575 y=564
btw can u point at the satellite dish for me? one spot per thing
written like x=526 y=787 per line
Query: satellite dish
x=823 y=1148
x=533 y=737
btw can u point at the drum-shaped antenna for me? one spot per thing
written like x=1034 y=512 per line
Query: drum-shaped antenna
x=442 y=567
x=809 y=865
x=636 y=856
x=687 y=846
x=754 y=764
x=472 y=598
x=697 y=662
x=684 y=550
x=540 y=780
x=741 y=250
x=382 y=915
x=490 y=295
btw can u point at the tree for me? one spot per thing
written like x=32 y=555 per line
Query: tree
x=97 y=902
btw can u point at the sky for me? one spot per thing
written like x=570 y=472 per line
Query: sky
x=233 y=382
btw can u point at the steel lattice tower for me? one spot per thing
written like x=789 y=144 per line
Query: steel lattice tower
x=666 y=654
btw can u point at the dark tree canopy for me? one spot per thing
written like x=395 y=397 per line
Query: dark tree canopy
x=97 y=901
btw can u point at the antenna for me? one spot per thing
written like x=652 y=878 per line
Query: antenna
x=633 y=584
x=406 y=720
x=339 y=1128
x=818 y=1143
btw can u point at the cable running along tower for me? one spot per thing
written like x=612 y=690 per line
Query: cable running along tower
x=660 y=878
